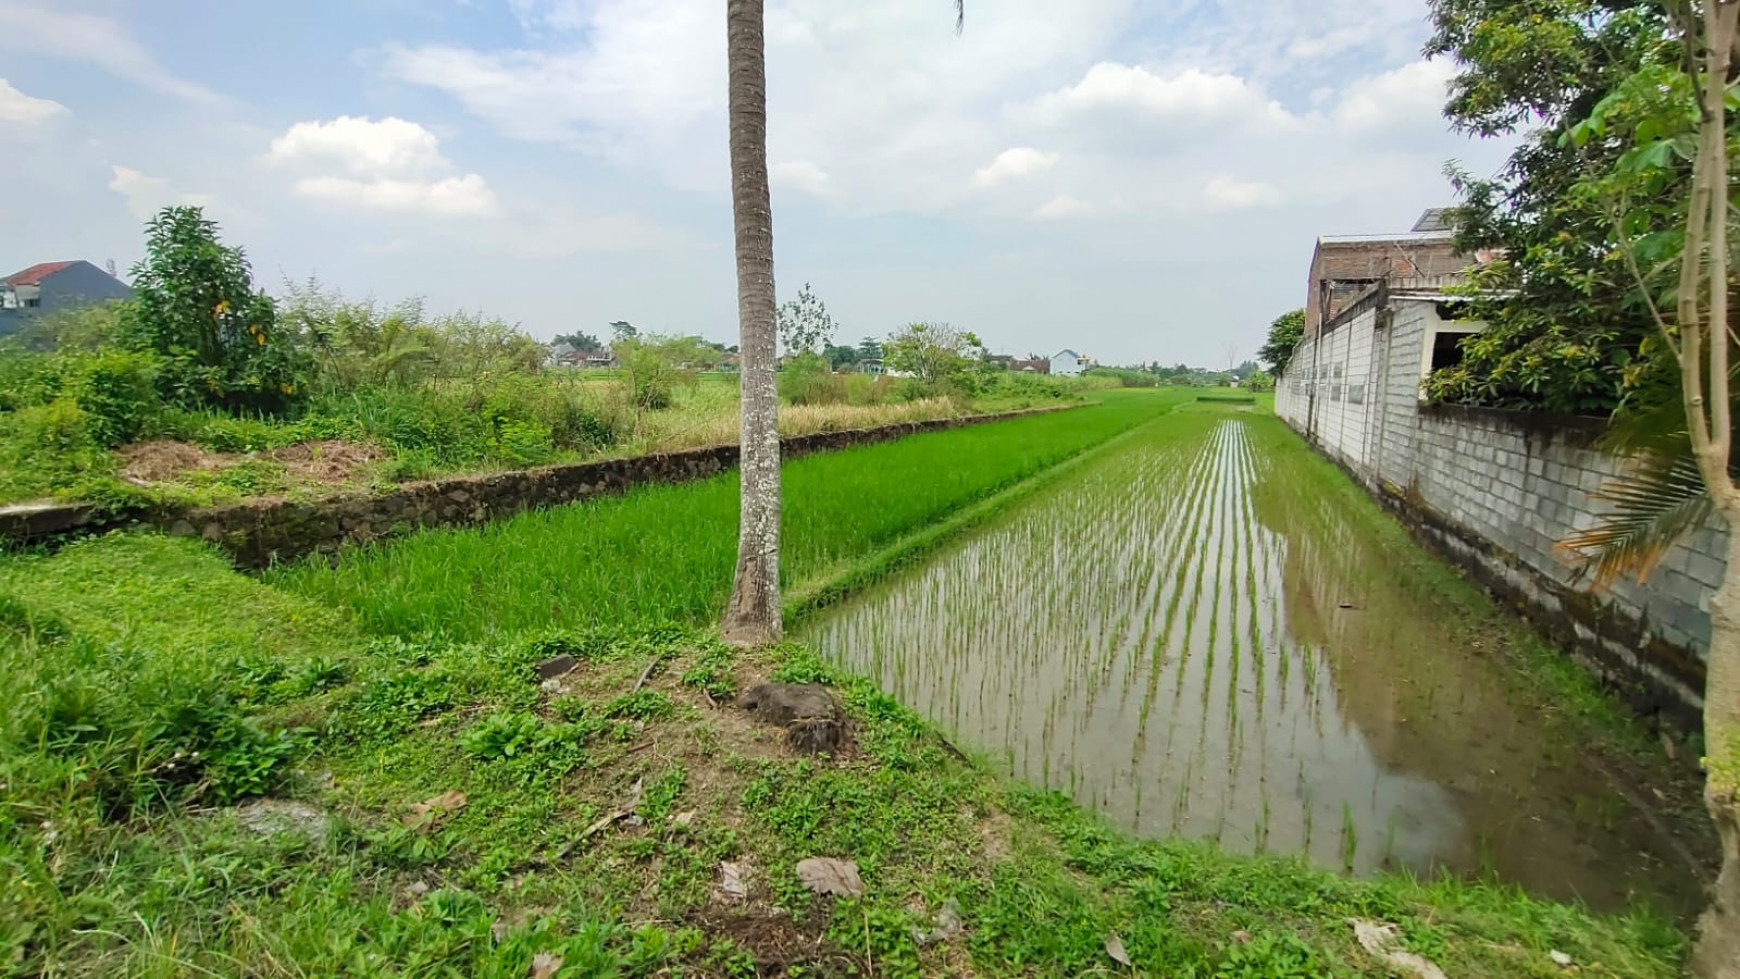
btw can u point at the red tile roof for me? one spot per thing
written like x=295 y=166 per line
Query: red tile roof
x=34 y=274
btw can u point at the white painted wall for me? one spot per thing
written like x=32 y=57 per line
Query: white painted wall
x=1065 y=363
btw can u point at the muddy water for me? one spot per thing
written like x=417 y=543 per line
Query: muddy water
x=1192 y=636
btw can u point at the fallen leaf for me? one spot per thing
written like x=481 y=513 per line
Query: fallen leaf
x=603 y=821
x=545 y=964
x=1560 y=959
x=731 y=879
x=685 y=817
x=1241 y=936
x=425 y=814
x=825 y=875
x=1382 y=943
x=1115 y=948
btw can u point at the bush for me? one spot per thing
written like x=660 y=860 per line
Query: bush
x=118 y=392
x=198 y=310
x=807 y=380
x=651 y=379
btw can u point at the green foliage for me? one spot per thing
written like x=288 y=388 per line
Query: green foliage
x=1567 y=326
x=936 y=355
x=649 y=374
x=804 y=323
x=1284 y=336
x=197 y=309
x=501 y=736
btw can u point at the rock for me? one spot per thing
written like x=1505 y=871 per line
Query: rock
x=825 y=875
x=813 y=720
x=948 y=925
x=272 y=817
x=556 y=666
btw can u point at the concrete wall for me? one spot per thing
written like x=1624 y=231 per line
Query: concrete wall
x=1496 y=491
x=259 y=532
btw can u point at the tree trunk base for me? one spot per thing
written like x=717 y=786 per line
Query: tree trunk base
x=1717 y=955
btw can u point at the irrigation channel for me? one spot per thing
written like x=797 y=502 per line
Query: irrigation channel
x=1205 y=632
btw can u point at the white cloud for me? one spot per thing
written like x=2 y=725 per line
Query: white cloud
x=1224 y=193
x=363 y=146
x=1021 y=161
x=94 y=40
x=392 y=165
x=17 y=107
x=1412 y=95
x=801 y=175
x=1188 y=96
x=467 y=195
x=627 y=73
x=1061 y=207
x=147 y=195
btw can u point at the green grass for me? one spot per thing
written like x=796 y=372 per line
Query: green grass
x=665 y=553
x=148 y=685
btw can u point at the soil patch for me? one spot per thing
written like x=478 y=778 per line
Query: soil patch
x=162 y=460
x=327 y=460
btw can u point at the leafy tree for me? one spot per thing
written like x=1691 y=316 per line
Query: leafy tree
x=196 y=307
x=1567 y=326
x=1284 y=336
x=623 y=330
x=840 y=357
x=1672 y=231
x=931 y=352
x=869 y=348
x=579 y=340
x=804 y=323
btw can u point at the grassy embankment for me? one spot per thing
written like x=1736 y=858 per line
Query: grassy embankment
x=149 y=686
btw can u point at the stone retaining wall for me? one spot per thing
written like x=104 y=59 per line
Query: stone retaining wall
x=259 y=532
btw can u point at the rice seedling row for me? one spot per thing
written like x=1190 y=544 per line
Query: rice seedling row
x=1200 y=635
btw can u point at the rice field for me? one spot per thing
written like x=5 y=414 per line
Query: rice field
x=664 y=554
x=1205 y=634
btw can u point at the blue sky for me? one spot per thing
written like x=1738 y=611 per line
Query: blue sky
x=1135 y=180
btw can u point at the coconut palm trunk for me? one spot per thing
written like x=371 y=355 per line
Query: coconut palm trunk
x=753 y=617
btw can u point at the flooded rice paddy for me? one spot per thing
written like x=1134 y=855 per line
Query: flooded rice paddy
x=1206 y=632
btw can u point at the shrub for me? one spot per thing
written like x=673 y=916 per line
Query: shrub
x=118 y=393
x=807 y=380
x=650 y=377
x=198 y=310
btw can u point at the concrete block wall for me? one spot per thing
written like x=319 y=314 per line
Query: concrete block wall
x=1496 y=491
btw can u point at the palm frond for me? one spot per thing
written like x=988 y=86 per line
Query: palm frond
x=1654 y=505
x=960 y=16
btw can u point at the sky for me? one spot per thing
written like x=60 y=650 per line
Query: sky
x=1137 y=180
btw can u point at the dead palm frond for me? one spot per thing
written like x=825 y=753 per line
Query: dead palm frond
x=1660 y=500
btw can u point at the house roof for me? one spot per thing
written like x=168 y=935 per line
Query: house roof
x=1435 y=219
x=1072 y=353
x=35 y=274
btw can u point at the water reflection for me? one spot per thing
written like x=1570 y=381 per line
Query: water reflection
x=1191 y=641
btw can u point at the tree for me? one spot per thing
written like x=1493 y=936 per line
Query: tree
x=804 y=323
x=841 y=357
x=869 y=348
x=1566 y=323
x=196 y=307
x=931 y=352
x=623 y=330
x=1284 y=336
x=580 y=340
x=753 y=616
x=1649 y=127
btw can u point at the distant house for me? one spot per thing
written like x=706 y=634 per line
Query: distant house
x=597 y=358
x=52 y=287
x=1005 y=361
x=1035 y=366
x=1068 y=363
x=872 y=366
